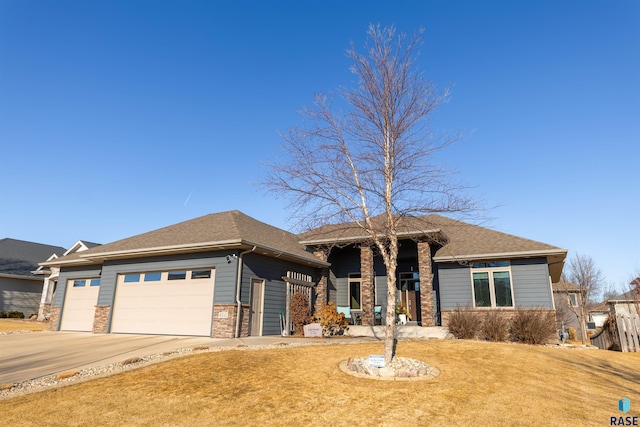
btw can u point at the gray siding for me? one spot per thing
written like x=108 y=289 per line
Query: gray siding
x=20 y=295
x=531 y=287
x=271 y=270
x=454 y=283
x=69 y=274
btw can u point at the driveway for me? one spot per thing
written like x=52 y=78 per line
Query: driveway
x=29 y=356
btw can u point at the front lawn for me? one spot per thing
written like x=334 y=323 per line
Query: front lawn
x=480 y=384
x=13 y=325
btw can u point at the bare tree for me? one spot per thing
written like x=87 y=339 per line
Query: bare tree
x=373 y=159
x=584 y=274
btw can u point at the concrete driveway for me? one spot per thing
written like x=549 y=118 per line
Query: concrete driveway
x=29 y=356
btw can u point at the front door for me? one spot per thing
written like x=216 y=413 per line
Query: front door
x=257 y=294
x=409 y=285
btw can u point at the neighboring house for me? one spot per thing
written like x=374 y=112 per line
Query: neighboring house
x=599 y=313
x=20 y=287
x=51 y=277
x=568 y=298
x=229 y=275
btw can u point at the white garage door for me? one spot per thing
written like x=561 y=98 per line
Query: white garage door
x=80 y=305
x=164 y=303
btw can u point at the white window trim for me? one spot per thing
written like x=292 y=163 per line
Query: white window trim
x=492 y=288
x=353 y=279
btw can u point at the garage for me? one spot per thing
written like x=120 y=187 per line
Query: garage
x=164 y=302
x=80 y=304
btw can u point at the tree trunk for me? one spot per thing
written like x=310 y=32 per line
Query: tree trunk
x=583 y=330
x=390 y=329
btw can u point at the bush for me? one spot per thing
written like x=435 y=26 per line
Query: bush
x=300 y=312
x=333 y=323
x=533 y=326
x=13 y=315
x=495 y=327
x=464 y=323
x=572 y=333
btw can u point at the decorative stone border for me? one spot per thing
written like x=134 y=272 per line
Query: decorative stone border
x=394 y=375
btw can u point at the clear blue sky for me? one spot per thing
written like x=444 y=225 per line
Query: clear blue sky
x=119 y=117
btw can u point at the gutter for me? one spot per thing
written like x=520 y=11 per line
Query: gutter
x=238 y=285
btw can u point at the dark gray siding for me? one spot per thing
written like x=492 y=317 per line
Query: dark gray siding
x=20 y=295
x=454 y=283
x=531 y=286
x=73 y=273
x=271 y=270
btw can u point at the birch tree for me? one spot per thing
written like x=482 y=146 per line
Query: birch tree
x=372 y=161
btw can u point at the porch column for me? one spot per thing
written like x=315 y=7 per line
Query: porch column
x=426 y=284
x=367 y=291
x=323 y=273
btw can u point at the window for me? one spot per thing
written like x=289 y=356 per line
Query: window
x=152 y=277
x=132 y=278
x=573 y=300
x=79 y=283
x=94 y=282
x=177 y=275
x=355 y=297
x=492 y=284
x=201 y=274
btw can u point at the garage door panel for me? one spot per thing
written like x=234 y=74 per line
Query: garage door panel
x=169 y=307
x=79 y=308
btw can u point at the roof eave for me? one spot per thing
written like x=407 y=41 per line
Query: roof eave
x=520 y=254
x=363 y=238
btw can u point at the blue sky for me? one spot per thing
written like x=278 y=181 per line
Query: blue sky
x=119 y=117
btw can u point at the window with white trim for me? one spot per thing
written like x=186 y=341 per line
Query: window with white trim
x=573 y=299
x=491 y=283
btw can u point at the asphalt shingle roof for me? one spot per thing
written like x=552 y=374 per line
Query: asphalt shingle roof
x=21 y=257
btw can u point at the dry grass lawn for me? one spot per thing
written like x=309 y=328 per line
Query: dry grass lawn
x=481 y=384
x=11 y=325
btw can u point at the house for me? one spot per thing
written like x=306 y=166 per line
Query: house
x=20 y=287
x=228 y=275
x=568 y=300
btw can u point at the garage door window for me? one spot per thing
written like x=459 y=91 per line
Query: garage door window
x=131 y=278
x=152 y=277
x=94 y=282
x=177 y=275
x=201 y=274
x=79 y=283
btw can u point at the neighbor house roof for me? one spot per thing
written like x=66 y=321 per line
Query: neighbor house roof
x=460 y=241
x=224 y=230
x=565 y=287
x=20 y=258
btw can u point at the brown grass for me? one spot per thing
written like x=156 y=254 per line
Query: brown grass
x=11 y=325
x=66 y=374
x=480 y=383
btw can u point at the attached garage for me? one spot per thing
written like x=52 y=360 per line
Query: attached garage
x=80 y=304
x=164 y=302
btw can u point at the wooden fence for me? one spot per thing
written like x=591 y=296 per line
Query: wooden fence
x=621 y=332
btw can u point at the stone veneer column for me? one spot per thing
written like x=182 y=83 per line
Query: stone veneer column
x=54 y=316
x=323 y=273
x=224 y=320
x=367 y=291
x=426 y=284
x=100 y=319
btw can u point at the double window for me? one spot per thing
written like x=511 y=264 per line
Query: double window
x=492 y=284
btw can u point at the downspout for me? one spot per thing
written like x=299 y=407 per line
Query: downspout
x=238 y=286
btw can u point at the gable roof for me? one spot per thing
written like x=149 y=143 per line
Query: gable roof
x=460 y=241
x=218 y=231
x=20 y=257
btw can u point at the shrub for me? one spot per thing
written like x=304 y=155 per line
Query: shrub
x=14 y=315
x=333 y=323
x=572 y=333
x=131 y=361
x=533 y=326
x=300 y=312
x=464 y=323
x=495 y=327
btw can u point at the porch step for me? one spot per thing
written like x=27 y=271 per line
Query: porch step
x=406 y=331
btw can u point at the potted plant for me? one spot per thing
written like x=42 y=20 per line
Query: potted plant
x=402 y=313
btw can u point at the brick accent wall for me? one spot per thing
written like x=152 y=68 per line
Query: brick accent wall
x=225 y=327
x=321 y=286
x=367 y=291
x=100 y=319
x=427 y=309
x=54 y=318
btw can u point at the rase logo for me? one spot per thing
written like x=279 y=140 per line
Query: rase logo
x=624 y=406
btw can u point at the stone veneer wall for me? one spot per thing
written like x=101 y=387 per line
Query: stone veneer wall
x=367 y=292
x=54 y=318
x=100 y=319
x=321 y=286
x=225 y=327
x=426 y=284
